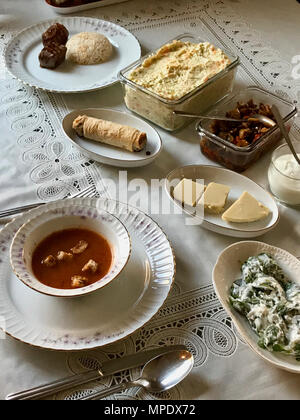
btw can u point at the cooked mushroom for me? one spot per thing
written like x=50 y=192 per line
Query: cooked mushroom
x=235 y=113
x=242 y=134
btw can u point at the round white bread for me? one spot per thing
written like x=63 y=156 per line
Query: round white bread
x=88 y=48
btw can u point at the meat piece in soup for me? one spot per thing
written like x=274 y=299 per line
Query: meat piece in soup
x=80 y=247
x=90 y=266
x=79 y=281
x=64 y=256
x=49 y=261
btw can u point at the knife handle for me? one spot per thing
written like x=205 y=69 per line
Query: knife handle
x=56 y=386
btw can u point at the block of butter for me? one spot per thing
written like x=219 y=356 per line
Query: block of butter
x=188 y=192
x=245 y=209
x=214 y=197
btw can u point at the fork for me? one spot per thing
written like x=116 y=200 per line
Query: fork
x=88 y=192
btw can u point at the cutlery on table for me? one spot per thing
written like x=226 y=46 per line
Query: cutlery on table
x=257 y=117
x=107 y=368
x=88 y=192
x=158 y=375
x=284 y=132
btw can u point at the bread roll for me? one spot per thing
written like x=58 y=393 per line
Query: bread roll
x=108 y=132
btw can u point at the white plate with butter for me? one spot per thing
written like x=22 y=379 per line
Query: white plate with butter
x=260 y=201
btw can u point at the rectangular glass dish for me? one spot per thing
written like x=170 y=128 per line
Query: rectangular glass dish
x=159 y=110
x=235 y=157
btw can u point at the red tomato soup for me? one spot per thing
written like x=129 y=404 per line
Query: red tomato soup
x=71 y=258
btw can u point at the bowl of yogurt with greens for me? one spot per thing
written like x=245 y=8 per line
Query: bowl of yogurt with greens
x=259 y=287
x=271 y=304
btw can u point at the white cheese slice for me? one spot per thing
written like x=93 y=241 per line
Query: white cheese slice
x=215 y=197
x=188 y=192
x=245 y=209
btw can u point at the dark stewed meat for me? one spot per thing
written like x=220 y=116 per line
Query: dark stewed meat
x=57 y=33
x=52 y=55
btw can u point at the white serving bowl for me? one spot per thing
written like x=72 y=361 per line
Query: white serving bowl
x=67 y=216
x=228 y=269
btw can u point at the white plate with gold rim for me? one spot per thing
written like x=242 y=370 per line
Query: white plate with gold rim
x=238 y=184
x=21 y=57
x=228 y=269
x=105 y=316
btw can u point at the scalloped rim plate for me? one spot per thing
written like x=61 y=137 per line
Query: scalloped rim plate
x=227 y=270
x=104 y=316
x=21 y=57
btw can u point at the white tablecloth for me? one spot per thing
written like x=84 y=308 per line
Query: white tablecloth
x=225 y=367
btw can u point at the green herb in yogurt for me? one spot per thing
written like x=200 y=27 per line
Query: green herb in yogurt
x=271 y=304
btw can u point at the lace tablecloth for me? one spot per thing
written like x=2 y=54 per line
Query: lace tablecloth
x=38 y=164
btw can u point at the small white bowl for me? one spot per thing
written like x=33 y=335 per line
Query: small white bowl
x=228 y=269
x=285 y=188
x=68 y=216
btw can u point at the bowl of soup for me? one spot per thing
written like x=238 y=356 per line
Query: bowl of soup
x=70 y=251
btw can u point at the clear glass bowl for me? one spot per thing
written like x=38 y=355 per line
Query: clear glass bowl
x=286 y=188
x=160 y=110
x=230 y=155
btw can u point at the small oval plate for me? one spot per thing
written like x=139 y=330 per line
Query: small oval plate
x=111 y=155
x=238 y=184
x=228 y=269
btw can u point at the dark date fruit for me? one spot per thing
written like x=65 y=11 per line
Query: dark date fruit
x=57 y=33
x=52 y=55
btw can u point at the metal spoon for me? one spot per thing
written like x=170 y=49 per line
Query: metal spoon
x=160 y=374
x=284 y=132
x=257 y=117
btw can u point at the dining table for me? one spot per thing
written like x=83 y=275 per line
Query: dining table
x=38 y=164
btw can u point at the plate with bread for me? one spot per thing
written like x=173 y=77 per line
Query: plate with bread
x=71 y=54
x=112 y=137
x=222 y=201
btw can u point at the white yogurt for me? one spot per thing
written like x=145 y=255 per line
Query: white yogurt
x=284 y=179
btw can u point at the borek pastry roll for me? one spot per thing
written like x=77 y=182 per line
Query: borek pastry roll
x=108 y=132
